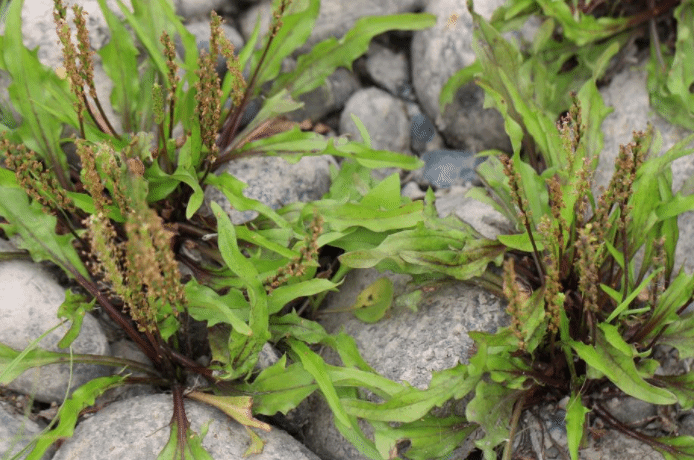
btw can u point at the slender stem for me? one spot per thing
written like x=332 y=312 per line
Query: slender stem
x=515 y=418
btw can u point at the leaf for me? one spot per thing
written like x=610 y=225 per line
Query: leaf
x=73 y=308
x=285 y=294
x=668 y=86
x=206 y=305
x=373 y=302
x=411 y=403
x=491 y=409
x=279 y=388
x=296 y=28
x=314 y=67
x=316 y=367
x=430 y=437
x=615 y=359
x=81 y=398
x=119 y=59
x=190 y=450
x=30 y=81
x=236 y=407
x=37 y=230
x=575 y=422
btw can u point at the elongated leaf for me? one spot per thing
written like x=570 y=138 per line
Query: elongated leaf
x=280 y=388
x=206 y=305
x=316 y=367
x=313 y=68
x=37 y=230
x=575 y=421
x=285 y=294
x=430 y=437
x=617 y=363
x=81 y=398
x=296 y=28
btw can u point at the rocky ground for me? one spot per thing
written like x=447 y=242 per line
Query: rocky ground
x=394 y=91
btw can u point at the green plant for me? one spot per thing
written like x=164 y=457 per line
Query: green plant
x=117 y=218
x=590 y=283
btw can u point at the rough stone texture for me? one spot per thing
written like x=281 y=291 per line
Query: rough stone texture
x=137 y=429
x=16 y=431
x=327 y=98
x=274 y=182
x=29 y=300
x=439 y=52
x=384 y=117
x=483 y=217
x=388 y=69
x=404 y=345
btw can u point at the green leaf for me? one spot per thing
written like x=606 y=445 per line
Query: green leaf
x=491 y=409
x=285 y=294
x=575 y=422
x=675 y=447
x=297 y=26
x=29 y=91
x=37 y=230
x=579 y=27
x=206 y=305
x=430 y=437
x=73 y=308
x=119 y=59
x=314 y=67
x=373 y=302
x=232 y=190
x=316 y=367
x=668 y=86
x=411 y=404
x=81 y=398
x=190 y=450
x=521 y=242
x=613 y=357
x=279 y=388
x=680 y=335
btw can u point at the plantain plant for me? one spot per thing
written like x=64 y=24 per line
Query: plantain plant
x=590 y=281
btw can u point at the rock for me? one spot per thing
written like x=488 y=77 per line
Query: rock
x=404 y=346
x=274 y=182
x=16 y=431
x=384 y=117
x=438 y=53
x=29 y=301
x=138 y=428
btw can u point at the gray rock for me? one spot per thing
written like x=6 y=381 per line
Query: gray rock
x=422 y=132
x=481 y=216
x=387 y=68
x=405 y=345
x=138 y=428
x=29 y=301
x=16 y=431
x=439 y=52
x=327 y=98
x=274 y=182
x=447 y=167
x=384 y=116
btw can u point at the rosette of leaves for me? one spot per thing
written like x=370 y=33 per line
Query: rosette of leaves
x=589 y=279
